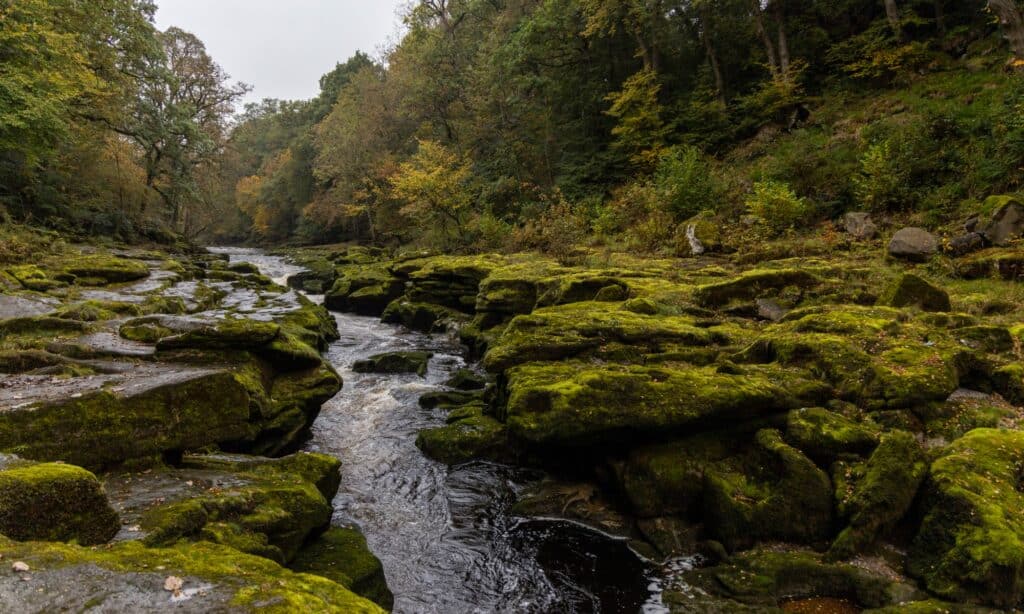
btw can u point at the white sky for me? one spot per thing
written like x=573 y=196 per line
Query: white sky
x=282 y=47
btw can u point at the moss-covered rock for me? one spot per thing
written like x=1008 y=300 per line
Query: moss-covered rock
x=592 y=329
x=395 y=362
x=448 y=399
x=580 y=404
x=474 y=436
x=825 y=435
x=970 y=546
x=109 y=269
x=423 y=317
x=880 y=493
x=226 y=334
x=341 y=555
x=466 y=380
x=108 y=419
x=751 y=285
x=54 y=502
x=131 y=577
x=913 y=291
x=364 y=289
x=766 y=579
x=778 y=494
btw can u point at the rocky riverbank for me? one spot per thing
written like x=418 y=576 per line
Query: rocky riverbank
x=151 y=409
x=839 y=427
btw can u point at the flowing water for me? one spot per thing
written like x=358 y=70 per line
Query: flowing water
x=445 y=535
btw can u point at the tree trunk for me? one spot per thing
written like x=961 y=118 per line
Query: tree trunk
x=940 y=16
x=892 y=13
x=716 y=69
x=1012 y=21
x=780 y=17
x=762 y=32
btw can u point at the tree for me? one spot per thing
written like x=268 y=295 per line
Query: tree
x=179 y=119
x=1010 y=17
x=640 y=131
x=433 y=187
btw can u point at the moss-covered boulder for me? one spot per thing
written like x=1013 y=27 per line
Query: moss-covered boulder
x=103 y=419
x=768 y=579
x=364 y=289
x=876 y=496
x=423 y=317
x=466 y=380
x=826 y=435
x=109 y=269
x=776 y=494
x=341 y=555
x=395 y=362
x=578 y=404
x=751 y=285
x=913 y=291
x=228 y=333
x=450 y=281
x=130 y=577
x=970 y=546
x=474 y=436
x=54 y=502
x=269 y=510
x=592 y=329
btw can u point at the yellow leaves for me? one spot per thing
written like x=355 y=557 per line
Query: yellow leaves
x=432 y=182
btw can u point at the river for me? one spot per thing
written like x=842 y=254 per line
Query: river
x=445 y=536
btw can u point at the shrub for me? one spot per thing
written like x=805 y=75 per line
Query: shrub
x=558 y=231
x=777 y=205
x=687 y=183
x=883 y=182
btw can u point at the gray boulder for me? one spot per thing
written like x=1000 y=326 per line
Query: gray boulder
x=1008 y=222
x=860 y=226
x=914 y=244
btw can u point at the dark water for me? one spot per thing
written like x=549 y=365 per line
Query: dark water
x=445 y=535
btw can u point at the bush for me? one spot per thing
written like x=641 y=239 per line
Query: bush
x=558 y=231
x=686 y=183
x=777 y=205
x=883 y=182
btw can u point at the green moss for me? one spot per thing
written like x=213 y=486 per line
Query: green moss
x=779 y=494
x=476 y=436
x=751 y=285
x=824 y=435
x=591 y=329
x=105 y=426
x=252 y=583
x=95 y=311
x=341 y=555
x=970 y=546
x=882 y=494
x=423 y=317
x=913 y=291
x=55 y=502
x=448 y=399
x=364 y=289
x=110 y=269
x=228 y=334
x=467 y=380
x=579 y=404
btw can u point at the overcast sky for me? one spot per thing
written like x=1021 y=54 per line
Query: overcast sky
x=282 y=47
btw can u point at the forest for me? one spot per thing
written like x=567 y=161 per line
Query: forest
x=518 y=124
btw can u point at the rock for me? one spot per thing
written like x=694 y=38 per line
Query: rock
x=768 y=309
x=423 y=317
x=913 y=291
x=476 y=436
x=130 y=577
x=102 y=419
x=395 y=362
x=225 y=334
x=969 y=545
x=364 y=289
x=579 y=404
x=54 y=502
x=860 y=226
x=464 y=379
x=876 y=496
x=966 y=244
x=752 y=285
x=108 y=269
x=776 y=494
x=825 y=435
x=698 y=235
x=445 y=399
x=762 y=579
x=914 y=244
x=1008 y=221
x=341 y=555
